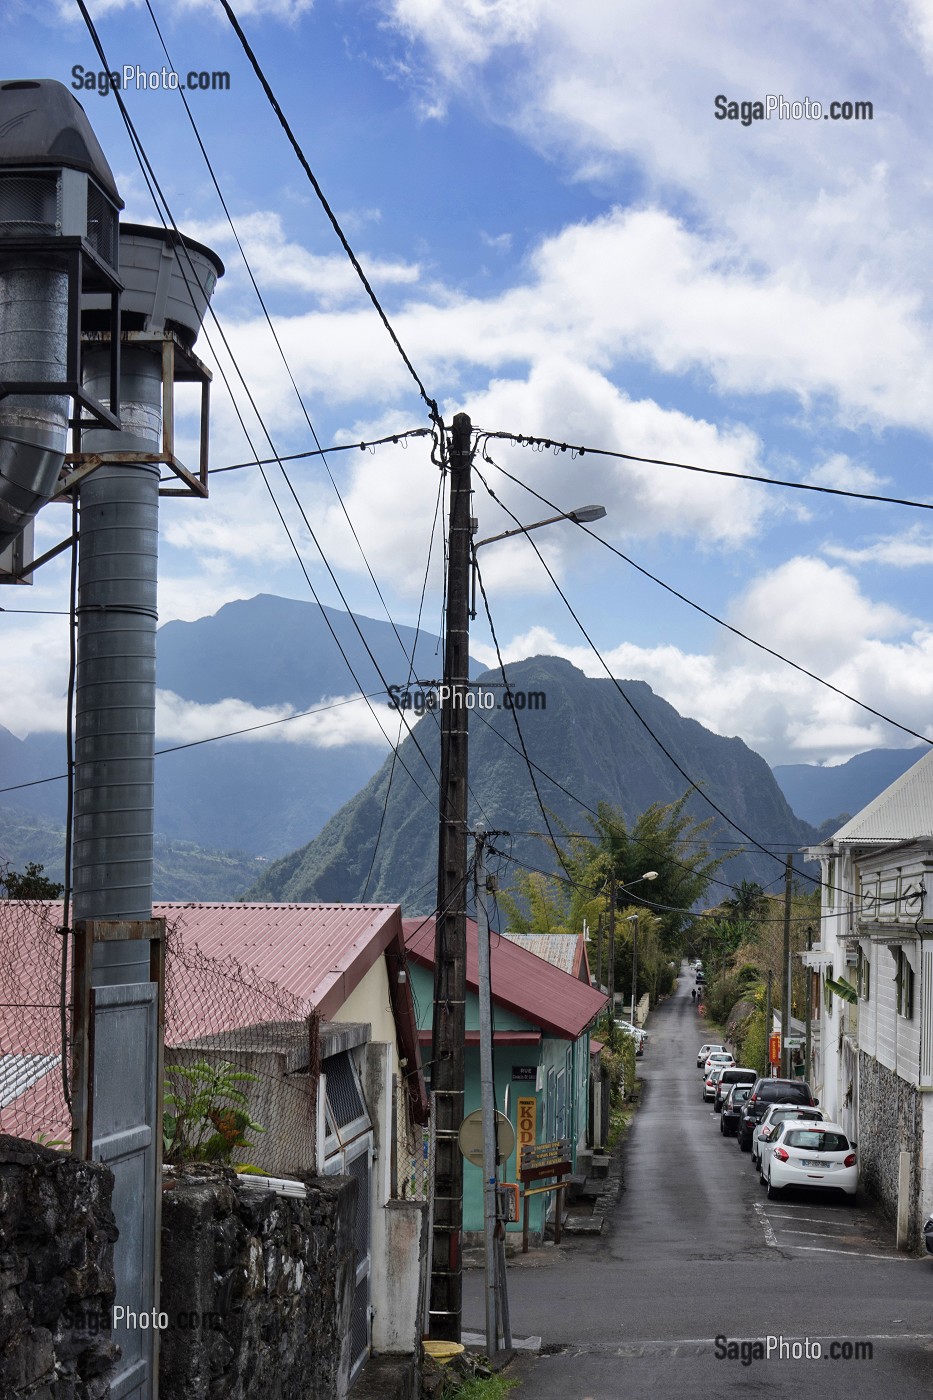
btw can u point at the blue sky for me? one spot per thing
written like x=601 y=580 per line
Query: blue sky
x=569 y=244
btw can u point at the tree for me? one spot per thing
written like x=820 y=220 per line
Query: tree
x=663 y=839
x=31 y=884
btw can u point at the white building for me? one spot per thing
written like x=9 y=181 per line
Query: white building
x=872 y=1060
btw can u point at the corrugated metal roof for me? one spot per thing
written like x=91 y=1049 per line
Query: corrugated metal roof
x=534 y=989
x=903 y=812
x=559 y=949
x=317 y=952
x=19 y=1072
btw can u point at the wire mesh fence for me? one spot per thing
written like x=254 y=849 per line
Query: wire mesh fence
x=242 y=1057
x=33 y=1036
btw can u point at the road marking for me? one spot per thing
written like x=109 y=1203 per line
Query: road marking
x=855 y=1253
x=817 y=1234
x=813 y=1219
x=766 y=1226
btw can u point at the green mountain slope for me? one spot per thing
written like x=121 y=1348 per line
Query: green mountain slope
x=589 y=746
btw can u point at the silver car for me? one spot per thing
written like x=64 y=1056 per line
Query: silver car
x=766 y=1131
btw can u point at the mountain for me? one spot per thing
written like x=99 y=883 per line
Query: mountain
x=588 y=746
x=265 y=795
x=818 y=794
x=181 y=869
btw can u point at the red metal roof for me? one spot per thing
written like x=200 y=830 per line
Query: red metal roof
x=521 y=982
x=318 y=952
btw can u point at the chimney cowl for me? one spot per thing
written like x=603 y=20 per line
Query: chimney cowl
x=42 y=124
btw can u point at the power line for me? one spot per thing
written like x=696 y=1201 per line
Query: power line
x=370 y=444
x=154 y=187
x=542 y=444
x=821 y=680
x=302 y=159
x=634 y=709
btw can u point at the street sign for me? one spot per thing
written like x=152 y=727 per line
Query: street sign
x=794 y=1042
x=470 y=1137
x=545 y=1159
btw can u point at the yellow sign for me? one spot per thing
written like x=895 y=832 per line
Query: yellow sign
x=527 y=1118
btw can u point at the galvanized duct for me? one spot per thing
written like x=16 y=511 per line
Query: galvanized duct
x=33 y=428
x=116 y=660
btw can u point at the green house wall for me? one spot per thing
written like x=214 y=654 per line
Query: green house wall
x=553 y=1119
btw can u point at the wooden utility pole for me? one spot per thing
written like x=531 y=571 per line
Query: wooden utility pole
x=448 y=1028
x=785 y=1013
x=769 y=998
x=611 y=971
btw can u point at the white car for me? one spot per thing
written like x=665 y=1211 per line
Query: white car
x=812 y=1155
x=704 y=1051
x=766 y=1131
x=719 y=1059
x=713 y=1077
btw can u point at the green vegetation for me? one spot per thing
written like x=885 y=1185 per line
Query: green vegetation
x=484 y=1388
x=31 y=884
x=662 y=838
x=740 y=942
x=210 y=1121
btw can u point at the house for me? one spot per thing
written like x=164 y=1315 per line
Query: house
x=306 y=1000
x=872 y=1062
x=541 y=1048
x=565 y=950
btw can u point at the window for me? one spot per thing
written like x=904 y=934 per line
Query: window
x=904 y=986
x=863 y=975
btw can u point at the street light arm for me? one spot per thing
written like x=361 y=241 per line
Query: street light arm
x=582 y=515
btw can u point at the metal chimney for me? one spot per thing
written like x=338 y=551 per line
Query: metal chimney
x=167 y=284
x=58 y=232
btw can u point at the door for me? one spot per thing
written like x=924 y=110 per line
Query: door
x=125 y=1075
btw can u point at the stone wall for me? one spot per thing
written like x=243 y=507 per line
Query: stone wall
x=257 y=1289
x=890 y=1122
x=56 y=1274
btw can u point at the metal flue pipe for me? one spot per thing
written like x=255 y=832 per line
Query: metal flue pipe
x=116 y=659
x=33 y=428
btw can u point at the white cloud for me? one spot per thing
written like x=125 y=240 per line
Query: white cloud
x=815 y=615
x=335 y=722
x=280 y=264
x=912 y=548
x=840 y=471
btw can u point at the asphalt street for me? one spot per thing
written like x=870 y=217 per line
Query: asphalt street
x=793 y=1289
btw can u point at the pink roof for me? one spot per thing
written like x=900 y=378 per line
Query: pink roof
x=534 y=989
x=318 y=953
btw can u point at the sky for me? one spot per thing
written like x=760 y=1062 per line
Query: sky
x=573 y=240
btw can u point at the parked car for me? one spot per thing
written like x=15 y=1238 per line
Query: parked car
x=732 y=1108
x=719 y=1059
x=766 y=1133
x=928 y=1235
x=710 y=1082
x=735 y=1074
x=700 y=977
x=639 y=1037
x=704 y=1051
x=814 y=1155
x=766 y=1092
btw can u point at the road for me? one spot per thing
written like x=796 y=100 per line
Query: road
x=695 y=1251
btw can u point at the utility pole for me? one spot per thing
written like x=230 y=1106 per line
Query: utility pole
x=599 y=954
x=769 y=998
x=448 y=1028
x=493 y=1283
x=634 y=920
x=785 y=1014
x=809 y=976
x=611 y=971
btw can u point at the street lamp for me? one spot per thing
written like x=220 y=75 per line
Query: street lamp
x=583 y=515
x=633 y=920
